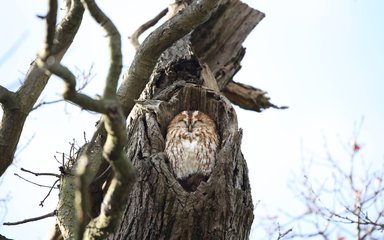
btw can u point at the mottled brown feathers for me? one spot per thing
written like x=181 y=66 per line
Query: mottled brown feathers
x=191 y=145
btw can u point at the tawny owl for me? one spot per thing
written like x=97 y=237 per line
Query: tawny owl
x=191 y=144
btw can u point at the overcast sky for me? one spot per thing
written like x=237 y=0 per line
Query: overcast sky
x=322 y=58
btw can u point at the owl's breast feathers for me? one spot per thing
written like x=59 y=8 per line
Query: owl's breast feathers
x=191 y=144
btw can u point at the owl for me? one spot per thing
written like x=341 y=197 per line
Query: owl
x=190 y=145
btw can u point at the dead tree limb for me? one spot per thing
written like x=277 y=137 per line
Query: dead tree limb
x=26 y=96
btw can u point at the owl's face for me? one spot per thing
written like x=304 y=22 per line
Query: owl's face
x=191 y=120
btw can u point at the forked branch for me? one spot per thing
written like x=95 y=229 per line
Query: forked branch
x=114 y=122
x=18 y=105
x=159 y=40
x=135 y=36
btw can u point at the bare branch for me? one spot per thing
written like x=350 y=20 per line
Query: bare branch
x=113 y=151
x=248 y=97
x=135 y=36
x=34 y=83
x=70 y=93
x=150 y=50
x=86 y=77
x=282 y=235
x=51 y=214
x=344 y=199
x=40 y=174
x=353 y=194
x=47 y=61
x=49 y=192
x=46 y=103
x=114 y=44
x=39 y=185
x=120 y=184
x=114 y=121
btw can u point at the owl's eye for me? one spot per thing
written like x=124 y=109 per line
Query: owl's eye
x=196 y=122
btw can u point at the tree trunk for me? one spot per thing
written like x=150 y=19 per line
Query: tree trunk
x=159 y=207
x=221 y=207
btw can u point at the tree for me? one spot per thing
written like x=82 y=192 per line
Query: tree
x=119 y=181
x=340 y=197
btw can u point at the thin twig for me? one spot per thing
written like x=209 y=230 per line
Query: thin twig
x=70 y=93
x=46 y=103
x=281 y=235
x=135 y=36
x=40 y=174
x=85 y=137
x=17 y=175
x=86 y=79
x=57 y=160
x=52 y=214
x=48 y=62
x=50 y=190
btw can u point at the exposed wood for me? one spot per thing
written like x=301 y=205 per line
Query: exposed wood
x=209 y=80
x=248 y=97
x=218 y=42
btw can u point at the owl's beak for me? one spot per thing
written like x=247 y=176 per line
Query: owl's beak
x=189 y=127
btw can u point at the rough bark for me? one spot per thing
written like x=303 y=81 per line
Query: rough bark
x=159 y=207
x=220 y=208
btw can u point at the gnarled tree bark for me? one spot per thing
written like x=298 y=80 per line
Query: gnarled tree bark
x=220 y=208
x=159 y=207
x=195 y=73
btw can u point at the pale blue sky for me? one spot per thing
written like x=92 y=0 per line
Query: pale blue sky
x=322 y=58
